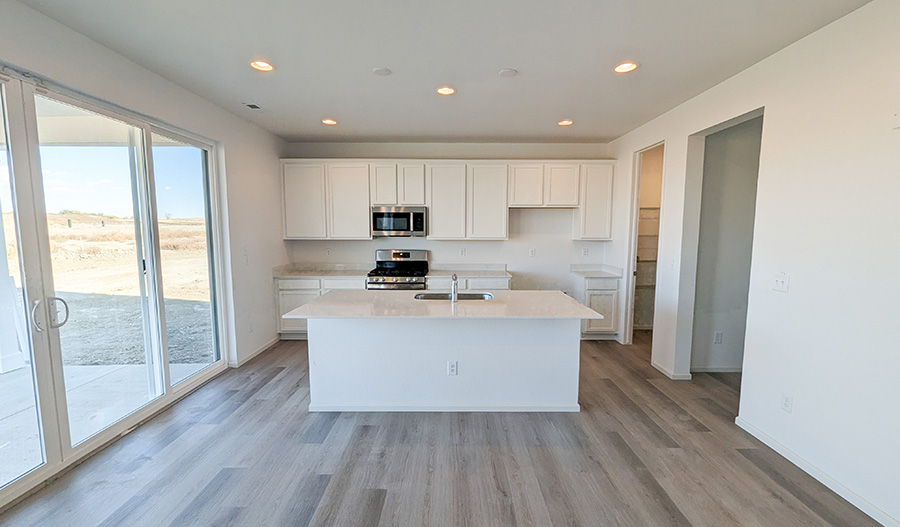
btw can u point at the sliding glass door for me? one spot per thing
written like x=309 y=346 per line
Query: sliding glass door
x=90 y=168
x=21 y=441
x=108 y=292
x=182 y=205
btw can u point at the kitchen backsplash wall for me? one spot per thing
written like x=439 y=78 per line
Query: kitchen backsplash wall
x=547 y=231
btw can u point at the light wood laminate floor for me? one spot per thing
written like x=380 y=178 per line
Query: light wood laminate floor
x=243 y=451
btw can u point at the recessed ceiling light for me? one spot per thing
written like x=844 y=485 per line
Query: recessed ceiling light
x=508 y=72
x=625 y=67
x=566 y=122
x=446 y=90
x=384 y=72
x=261 y=65
x=329 y=122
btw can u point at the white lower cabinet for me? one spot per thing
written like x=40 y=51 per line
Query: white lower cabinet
x=288 y=301
x=601 y=295
x=603 y=302
x=292 y=293
x=442 y=283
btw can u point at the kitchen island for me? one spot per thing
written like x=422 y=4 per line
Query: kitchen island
x=386 y=351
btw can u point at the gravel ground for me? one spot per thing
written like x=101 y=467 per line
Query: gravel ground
x=107 y=329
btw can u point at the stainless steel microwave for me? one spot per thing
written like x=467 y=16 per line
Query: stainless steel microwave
x=398 y=221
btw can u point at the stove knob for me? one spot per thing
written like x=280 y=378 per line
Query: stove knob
x=409 y=279
x=395 y=279
x=379 y=279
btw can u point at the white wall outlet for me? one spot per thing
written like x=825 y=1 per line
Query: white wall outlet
x=452 y=367
x=584 y=252
x=327 y=252
x=897 y=119
x=781 y=281
x=717 y=337
x=787 y=402
x=462 y=252
x=532 y=252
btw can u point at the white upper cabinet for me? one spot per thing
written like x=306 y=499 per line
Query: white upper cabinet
x=411 y=184
x=397 y=184
x=594 y=218
x=383 y=182
x=466 y=200
x=303 y=188
x=526 y=185
x=543 y=185
x=488 y=213
x=349 y=214
x=561 y=185
x=445 y=196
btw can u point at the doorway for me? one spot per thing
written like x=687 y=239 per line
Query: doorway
x=727 y=210
x=649 y=196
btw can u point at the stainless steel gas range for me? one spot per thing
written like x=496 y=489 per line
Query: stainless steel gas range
x=398 y=269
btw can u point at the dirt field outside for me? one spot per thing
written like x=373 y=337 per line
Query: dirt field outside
x=95 y=263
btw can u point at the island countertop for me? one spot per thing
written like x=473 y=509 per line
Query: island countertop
x=402 y=304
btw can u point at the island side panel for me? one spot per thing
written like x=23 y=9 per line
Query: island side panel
x=400 y=364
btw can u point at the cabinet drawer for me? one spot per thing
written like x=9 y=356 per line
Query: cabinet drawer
x=488 y=283
x=298 y=283
x=344 y=283
x=608 y=284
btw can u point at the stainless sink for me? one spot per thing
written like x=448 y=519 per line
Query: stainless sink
x=446 y=296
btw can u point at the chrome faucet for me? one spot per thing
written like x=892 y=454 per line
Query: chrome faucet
x=454 y=289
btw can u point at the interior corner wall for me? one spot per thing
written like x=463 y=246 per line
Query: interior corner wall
x=248 y=156
x=728 y=203
x=826 y=211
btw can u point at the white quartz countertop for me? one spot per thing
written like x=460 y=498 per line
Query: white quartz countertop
x=596 y=274
x=402 y=304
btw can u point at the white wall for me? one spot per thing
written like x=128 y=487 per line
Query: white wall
x=549 y=231
x=730 y=169
x=34 y=42
x=826 y=214
x=450 y=150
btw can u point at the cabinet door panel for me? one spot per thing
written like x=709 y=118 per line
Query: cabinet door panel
x=446 y=195
x=288 y=301
x=595 y=213
x=487 y=203
x=603 y=302
x=384 y=184
x=561 y=186
x=526 y=185
x=304 y=201
x=349 y=213
x=412 y=184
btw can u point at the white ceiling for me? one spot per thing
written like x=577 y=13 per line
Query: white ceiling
x=325 y=50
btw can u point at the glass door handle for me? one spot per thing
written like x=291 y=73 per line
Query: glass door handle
x=66 y=319
x=34 y=320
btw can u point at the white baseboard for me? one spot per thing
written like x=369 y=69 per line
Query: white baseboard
x=339 y=408
x=858 y=501
x=716 y=370
x=238 y=364
x=671 y=375
x=608 y=336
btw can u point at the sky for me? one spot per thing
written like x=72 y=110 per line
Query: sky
x=97 y=179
